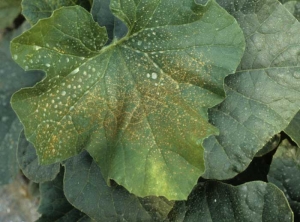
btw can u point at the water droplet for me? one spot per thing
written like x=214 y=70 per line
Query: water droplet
x=36 y=47
x=68 y=60
x=15 y=57
x=154 y=75
x=63 y=93
x=48 y=65
x=75 y=71
x=148 y=75
x=139 y=43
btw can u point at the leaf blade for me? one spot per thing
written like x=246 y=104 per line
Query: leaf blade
x=118 y=100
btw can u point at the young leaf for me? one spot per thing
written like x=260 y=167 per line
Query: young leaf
x=34 y=10
x=215 y=201
x=28 y=162
x=284 y=173
x=263 y=96
x=86 y=189
x=54 y=206
x=138 y=106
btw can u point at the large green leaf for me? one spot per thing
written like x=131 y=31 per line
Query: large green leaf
x=214 y=201
x=263 y=96
x=28 y=162
x=139 y=106
x=54 y=206
x=9 y=10
x=34 y=10
x=86 y=189
x=293 y=129
x=285 y=173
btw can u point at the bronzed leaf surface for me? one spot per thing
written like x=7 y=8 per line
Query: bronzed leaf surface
x=138 y=106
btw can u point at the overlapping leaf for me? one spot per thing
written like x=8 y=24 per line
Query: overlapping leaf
x=28 y=162
x=285 y=173
x=9 y=10
x=139 y=105
x=12 y=77
x=215 y=201
x=102 y=14
x=54 y=206
x=86 y=189
x=34 y=10
x=293 y=7
x=293 y=129
x=264 y=95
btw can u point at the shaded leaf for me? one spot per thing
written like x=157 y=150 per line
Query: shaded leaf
x=139 y=106
x=9 y=10
x=34 y=10
x=12 y=78
x=215 y=201
x=28 y=162
x=293 y=129
x=102 y=14
x=263 y=95
x=285 y=173
x=86 y=189
x=293 y=7
x=8 y=146
x=269 y=146
x=53 y=205
x=258 y=169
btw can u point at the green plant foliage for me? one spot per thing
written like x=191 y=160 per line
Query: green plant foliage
x=263 y=95
x=293 y=129
x=138 y=106
x=285 y=174
x=34 y=10
x=152 y=110
x=269 y=146
x=28 y=163
x=54 y=206
x=215 y=201
x=12 y=78
x=293 y=7
x=9 y=10
x=86 y=189
x=102 y=14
